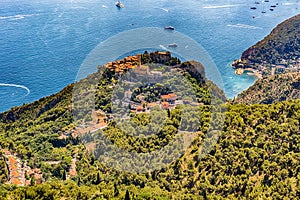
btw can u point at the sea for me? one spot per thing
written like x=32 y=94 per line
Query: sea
x=44 y=43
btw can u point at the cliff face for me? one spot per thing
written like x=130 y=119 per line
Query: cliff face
x=279 y=52
x=275 y=88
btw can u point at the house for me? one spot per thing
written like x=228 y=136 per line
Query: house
x=160 y=57
x=150 y=106
x=170 y=98
x=165 y=105
x=139 y=109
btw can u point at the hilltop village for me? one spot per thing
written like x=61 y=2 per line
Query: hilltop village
x=142 y=99
x=137 y=100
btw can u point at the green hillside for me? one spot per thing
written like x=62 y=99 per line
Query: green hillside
x=255 y=157
x=272 y=89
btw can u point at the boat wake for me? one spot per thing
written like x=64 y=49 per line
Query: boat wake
x=79 y=7
x=290 y=3
x=17 y=86
x=243 y=26
x=222 y=6
x=165 y=9
x=163 y=47
x=16 y=17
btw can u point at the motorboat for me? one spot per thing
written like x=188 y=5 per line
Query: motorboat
x=172 y=45
x=119 y=4
x=169 y=28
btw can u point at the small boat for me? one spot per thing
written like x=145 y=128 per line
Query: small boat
x=263 y=11
x=256 y=2
x=266 y=0
x=119 y=4
x=172 y=45
x=253 y=8
x=169 y=28
x=273 y=6
x=271 y=9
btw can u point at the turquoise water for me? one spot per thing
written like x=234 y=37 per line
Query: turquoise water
x=43 y=44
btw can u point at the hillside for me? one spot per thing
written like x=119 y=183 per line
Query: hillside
x=256 y=155
x=276 y=88
x=279 y=52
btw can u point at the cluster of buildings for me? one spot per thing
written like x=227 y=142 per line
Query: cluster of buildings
x=285 y=66
x=121 y=66
x=19 y=173
x=133 y=62
x=98 y=121
x=168 y=101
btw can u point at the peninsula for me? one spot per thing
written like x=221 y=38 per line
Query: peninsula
x=277 y=53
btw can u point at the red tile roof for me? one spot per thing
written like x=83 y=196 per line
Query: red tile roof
x=168 y=96
x=165 y=105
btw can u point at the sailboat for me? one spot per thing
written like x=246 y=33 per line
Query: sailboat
x=119 y=4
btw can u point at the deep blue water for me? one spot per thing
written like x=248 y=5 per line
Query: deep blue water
x=43 y=43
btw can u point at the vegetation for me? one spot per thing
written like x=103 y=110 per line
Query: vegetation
x=275 y=88
x=256 y=155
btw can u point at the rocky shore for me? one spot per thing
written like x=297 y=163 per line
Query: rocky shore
x=277 y=53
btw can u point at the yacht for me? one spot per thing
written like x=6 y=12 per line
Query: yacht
x=172 y=45
x=169 y=28
x=119 y=4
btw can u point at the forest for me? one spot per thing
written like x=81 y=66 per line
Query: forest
x=271 y=89
x=256 y=151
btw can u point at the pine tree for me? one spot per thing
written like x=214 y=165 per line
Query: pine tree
x=32 y=181
x=64 y=176
x=92 y=159
x=78 y=181
x=127 y=196
x=98 y=180
x=116 y=191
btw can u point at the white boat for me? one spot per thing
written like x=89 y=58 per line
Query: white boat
x=172 y=45
x=169 y=28
x=119 y=4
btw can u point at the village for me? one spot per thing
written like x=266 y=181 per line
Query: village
x=20 y=174
x=259 y=71
x=130 y=100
